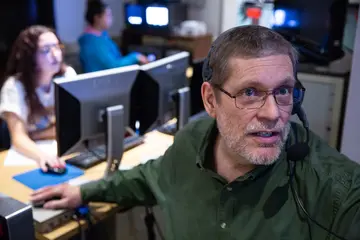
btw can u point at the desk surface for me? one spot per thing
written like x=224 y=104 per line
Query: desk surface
x=155 y=144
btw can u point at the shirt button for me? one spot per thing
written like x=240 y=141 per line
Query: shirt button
x=229 y=189
x=223 y=225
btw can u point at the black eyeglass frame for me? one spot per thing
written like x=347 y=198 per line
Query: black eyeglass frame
x=298 y=89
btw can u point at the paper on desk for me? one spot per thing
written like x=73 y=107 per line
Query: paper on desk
x=143 y=159
x=14 y=158
x=125 y=167
x=78 y=181
x=146 y=157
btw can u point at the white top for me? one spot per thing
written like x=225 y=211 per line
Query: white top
x=12 y=99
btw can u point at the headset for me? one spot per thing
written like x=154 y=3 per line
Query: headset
x=297 y=151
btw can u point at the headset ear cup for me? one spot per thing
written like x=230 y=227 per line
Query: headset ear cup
x=206 y=70
x=298 y=97
x=295 y=109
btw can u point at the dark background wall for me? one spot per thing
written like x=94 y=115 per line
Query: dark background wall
x=15 y=15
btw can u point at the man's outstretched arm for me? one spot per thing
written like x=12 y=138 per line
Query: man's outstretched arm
x=138 y=186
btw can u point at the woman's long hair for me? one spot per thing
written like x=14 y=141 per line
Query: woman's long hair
x=22 y=64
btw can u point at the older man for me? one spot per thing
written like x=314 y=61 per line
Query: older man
x=229 y=176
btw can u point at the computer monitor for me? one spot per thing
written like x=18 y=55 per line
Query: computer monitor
x=158 y=18
x=134 y=14
x=93 y=106
x=196 y=82
x=167 y=93
x=316 y=28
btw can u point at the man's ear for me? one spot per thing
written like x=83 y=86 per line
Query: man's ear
x=208 y=97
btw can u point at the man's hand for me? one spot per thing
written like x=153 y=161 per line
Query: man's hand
x=70 y=196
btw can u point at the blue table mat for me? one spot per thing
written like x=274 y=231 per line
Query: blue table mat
x=36 y=179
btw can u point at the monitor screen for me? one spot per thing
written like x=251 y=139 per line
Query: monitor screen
x=134 y=14
x=312 y=22
x=286 y=18
x=157 y=16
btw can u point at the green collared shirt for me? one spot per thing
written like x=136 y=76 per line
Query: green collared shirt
x=199 y=204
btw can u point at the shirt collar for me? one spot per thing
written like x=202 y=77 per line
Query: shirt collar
x=41 y=90
x=93 y=31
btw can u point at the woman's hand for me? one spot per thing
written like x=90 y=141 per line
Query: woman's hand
x=142 y=59
x=21 y=141
x=51 y=160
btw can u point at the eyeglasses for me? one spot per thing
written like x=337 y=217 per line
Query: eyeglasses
x=252 y=98
x=48 y=48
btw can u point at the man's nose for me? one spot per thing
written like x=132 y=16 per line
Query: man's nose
x=270 y=110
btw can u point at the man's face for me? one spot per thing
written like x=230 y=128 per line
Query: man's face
x=258 y=135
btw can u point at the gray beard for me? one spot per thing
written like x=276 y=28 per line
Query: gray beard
x=239 y=146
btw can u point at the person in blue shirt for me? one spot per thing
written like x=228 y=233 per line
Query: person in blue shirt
x=97 y=50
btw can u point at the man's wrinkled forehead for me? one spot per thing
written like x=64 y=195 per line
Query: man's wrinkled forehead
x=270 y=68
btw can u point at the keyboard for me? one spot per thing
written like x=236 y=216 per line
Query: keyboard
x=85 y=160
x=170 y=129
x=198 y=116
x=133 y=141
x=97 y=155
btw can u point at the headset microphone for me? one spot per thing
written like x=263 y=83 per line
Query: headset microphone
x=299 y=150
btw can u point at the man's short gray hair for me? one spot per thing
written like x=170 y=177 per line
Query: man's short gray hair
x=251 y=41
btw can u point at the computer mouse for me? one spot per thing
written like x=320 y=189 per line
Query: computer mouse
x=40 y=204
x=55 y=170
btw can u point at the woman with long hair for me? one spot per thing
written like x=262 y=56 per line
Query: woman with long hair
x=27 y=92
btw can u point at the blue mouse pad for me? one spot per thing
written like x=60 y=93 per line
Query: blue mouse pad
x=36 y=179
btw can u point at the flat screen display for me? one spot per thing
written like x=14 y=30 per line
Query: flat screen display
x=157 y=16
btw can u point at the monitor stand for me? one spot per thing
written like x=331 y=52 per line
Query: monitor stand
x=98 y=151
x=181 y=97
x=182 y=101
x=115 y=130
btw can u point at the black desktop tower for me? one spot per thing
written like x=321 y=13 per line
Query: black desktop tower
x=16 y=220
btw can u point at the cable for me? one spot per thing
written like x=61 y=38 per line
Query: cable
x=149 y=222
x=77 y=219
x=301 y=205
x=84 y=213
x=149 y=219
x=162 y=237
x=297 y=152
